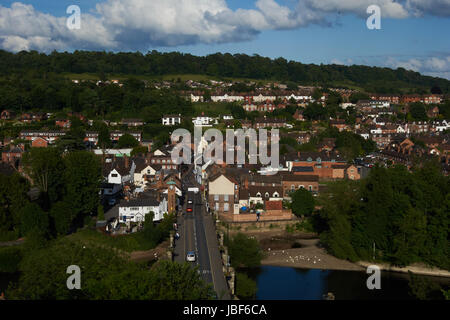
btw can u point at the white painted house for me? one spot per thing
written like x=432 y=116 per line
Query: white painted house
x=136 y=210
x=140 y=173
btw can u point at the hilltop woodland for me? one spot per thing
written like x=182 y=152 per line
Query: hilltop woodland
x=372 y=79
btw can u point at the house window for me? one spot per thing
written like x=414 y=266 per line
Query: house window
x=226 y=207
x=292 y=187
x=302 y=187
x=225 y=197
x=267 y=195
x=217 y=206
x=310 y=188
x=216 y=197
x=114 y=175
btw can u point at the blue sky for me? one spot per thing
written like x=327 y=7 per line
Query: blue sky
x=414 y=33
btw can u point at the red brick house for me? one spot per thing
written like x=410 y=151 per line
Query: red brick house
x=39 y=143
x=63 y=123
x=298 y=115
x=7 y=115
x=339 y=124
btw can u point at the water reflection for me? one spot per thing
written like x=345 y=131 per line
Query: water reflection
x=283 y=283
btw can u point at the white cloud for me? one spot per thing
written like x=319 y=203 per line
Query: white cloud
x=431 y=7
x=141 y=24
x=389 y=8
x=433 y=66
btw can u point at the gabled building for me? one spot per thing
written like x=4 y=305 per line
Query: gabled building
x=7 y=115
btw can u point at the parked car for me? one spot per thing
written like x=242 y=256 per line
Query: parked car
x=190 y=257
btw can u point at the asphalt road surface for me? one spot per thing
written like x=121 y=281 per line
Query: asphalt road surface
x=197 y=234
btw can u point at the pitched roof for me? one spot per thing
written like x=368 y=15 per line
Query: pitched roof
x=302 y=169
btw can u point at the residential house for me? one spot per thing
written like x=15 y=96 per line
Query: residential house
x=49 y=135
x=133 y=122
x=39 y=143
x=339 y=124
x=12 y=156
x=7 y=115
x=118 y=170
x=223 y=192
x=292 y=182
x=136 y=210
x=265 y=122
x=63 y=123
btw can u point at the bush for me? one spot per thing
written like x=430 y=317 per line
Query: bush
x=10 y=258
x=245 y=287
x=244 y=251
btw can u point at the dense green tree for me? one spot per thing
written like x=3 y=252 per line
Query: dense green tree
x=83 y=177
x=418 y=111
x=393 y=215
x=244 y=251
x=105 y=274
x=127 y=141
x=34 y=220
x=46 y=169
x=62 y=216
x=245 y=287
x=302 y=202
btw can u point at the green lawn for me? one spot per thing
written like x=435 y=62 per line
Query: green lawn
x=128 y=243
x=211 y=109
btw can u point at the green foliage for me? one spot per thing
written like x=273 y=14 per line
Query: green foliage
x=13 y=197
x=406 y=216
x=82 y=176
x=302 y=202
x=105 y=275
x=62 y=215
x=174 y=281
x=245 y=287
x=355 y=97
x=139 y=150
x=244 y=251
x=46 y=168
x=100 y=213
x=418 y=111
x=10 y=258
x=154 y=64
x=33 y=220
x=424 y=289
x=127 y=141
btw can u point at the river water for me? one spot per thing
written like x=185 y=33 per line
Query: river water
x=285 y=283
